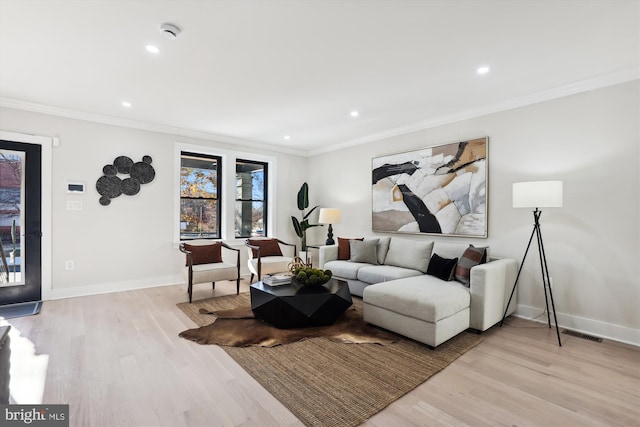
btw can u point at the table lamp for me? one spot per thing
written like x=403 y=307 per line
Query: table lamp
x=329 y=216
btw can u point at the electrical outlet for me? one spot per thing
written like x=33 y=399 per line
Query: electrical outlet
x=69 y=265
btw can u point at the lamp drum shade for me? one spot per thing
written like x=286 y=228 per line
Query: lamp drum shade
x=537 y=194
x=329 y=216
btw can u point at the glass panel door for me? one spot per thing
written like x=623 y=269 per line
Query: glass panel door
x=20 y=222
x=12 y=189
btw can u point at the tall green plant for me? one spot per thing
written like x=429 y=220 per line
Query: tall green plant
x=301 y=226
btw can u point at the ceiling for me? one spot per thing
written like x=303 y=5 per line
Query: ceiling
x=252 y=72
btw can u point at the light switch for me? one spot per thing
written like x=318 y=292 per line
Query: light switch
x=74 y=205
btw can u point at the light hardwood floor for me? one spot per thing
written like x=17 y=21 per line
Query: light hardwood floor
x=118 y=361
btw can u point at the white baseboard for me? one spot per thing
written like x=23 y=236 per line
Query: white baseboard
x=105 y=288
x=581 y=324
x=127 y=285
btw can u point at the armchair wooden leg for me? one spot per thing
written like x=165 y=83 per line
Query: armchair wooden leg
x=238 y=285
x=190 y=290
x=213 y=285
x=251 y=279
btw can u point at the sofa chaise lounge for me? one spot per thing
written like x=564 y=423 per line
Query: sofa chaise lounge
x=390 y=274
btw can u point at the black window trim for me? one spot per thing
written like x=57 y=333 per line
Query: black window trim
x=265 y=192
x=218 y=197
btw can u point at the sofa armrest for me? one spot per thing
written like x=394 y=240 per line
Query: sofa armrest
x=490 y=288
x=326 y=254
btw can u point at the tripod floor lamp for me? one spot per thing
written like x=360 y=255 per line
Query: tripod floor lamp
x=538 y=194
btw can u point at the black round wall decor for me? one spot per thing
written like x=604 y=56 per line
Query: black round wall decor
x=110 y=170
x=110 y=186
x=123 y=164
x=130 y=186
x=143 y=172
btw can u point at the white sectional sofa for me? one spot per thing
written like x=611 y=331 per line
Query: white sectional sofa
x=400 y=296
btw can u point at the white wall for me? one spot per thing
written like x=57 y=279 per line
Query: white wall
x=130 y=243
x=590 y=141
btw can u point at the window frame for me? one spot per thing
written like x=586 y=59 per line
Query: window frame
x=227 y=205
x=217 y=198
x=265 y=193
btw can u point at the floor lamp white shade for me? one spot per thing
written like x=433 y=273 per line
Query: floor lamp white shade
x=537 y=194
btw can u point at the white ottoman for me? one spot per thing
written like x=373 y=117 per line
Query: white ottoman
x=423 y=308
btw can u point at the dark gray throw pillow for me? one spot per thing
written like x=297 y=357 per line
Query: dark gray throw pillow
x=471 y=257
x=442 y=268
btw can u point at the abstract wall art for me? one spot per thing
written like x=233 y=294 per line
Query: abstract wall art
x=435 y=190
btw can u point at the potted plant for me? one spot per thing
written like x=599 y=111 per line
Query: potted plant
x=303 y=225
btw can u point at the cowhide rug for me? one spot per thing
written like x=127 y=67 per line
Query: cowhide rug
x=239 y=328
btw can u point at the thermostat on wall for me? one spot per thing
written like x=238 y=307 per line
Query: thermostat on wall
x=75 y=187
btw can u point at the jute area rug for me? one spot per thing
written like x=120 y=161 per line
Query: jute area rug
x=332 y=384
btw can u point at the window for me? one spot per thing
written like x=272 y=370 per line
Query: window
x=251 y=198
x=222 y=194
x=200 y=184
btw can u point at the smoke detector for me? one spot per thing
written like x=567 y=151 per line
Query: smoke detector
x=169 y=30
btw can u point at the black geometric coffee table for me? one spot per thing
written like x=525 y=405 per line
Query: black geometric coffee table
x=294 y=306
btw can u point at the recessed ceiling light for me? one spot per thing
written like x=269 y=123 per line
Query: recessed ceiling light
x=287 y=137
x=126 y=104
x=153 y=49
x=483 y=70
x=354 y=113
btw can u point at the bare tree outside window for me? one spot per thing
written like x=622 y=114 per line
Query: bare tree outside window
x=200 y=186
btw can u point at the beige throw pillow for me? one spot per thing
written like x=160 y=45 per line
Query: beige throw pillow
x=364 y=251
x=413 y=254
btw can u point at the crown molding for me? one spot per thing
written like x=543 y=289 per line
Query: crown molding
x=612 y=79
x=136 y=124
